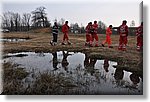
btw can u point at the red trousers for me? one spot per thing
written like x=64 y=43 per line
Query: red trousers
x=108 y=40
x=139 y=41
x=65 y=37
x=94 y=36
x=88 y=37
x=123 y=42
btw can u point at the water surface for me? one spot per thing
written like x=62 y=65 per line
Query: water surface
x=98 y=76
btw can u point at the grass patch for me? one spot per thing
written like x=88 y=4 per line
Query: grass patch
x=50 y=84
x=12 y=79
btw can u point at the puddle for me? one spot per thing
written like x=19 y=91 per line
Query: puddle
x=99 y=76
x=11 y=40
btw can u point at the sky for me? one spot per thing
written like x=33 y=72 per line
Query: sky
x=81 y=11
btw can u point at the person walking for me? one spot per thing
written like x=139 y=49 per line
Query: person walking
x=55 y=34
x=108 y=38
x=65 y=30
x=94 y=34
x=88 y=34
x=123 y=32
x=139 y=34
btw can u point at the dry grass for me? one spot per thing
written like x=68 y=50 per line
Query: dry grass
x=45 y=84
x=12 y=79
x=51 y=84
x=48 y=83
x=39 y=42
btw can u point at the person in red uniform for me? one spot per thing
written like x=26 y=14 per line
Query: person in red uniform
x=65 y=30
x=108 y=38
x=88 y=34
x=139 y=34
x=94 y=34
x=123 y=31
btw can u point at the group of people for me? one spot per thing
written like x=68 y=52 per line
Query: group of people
x=92 y=36
x=65 y=30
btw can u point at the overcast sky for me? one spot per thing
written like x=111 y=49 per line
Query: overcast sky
x=81 y=11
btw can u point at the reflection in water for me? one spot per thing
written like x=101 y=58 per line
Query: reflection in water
x=12 y=39
x=94 y=75
x=55 y=61
x=89 y=64
x=118 y=74
x=65 y=63
x=106 y=65
x=134 y=78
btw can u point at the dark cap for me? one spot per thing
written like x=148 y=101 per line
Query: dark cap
x=66 y=22
x=95 y=22
x=110 y=26
x=124 y=21
x=90 y=22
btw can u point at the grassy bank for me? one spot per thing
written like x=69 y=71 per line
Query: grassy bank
x=39 y=42
x=46 y=83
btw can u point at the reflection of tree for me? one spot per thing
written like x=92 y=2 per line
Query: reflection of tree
x=55 y=62
x=89 y=64
x=106 y=65
x=41 y=54
x=134 y=78
x=64 y=61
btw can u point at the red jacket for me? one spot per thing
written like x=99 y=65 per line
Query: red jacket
x=89 y=29
x=95 y=27
x=65 y=28
x=108 y=31
x=123 y=30
x=139 y=31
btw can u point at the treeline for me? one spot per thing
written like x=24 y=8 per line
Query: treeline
x=16 y=22
x=38 y=19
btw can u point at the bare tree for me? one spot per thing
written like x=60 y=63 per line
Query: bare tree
x=7 y=20
x=26 y=20
x=17 y=20
x=75 y=28
x=62 y=21
x=102 y=27
x=39 y=17
x=132 y=23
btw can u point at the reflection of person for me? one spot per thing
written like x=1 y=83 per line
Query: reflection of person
x=94 y=35
x=65 y=30
x=87 y=60
x=64 y=61
x=55 y=34
x=108 y=38
x=106 y=65
x=118 y=74
x=89 y=64
x=55 y=62
x=139 y=34
x=123 y=31
x=134 y=78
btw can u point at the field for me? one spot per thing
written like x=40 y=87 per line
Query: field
x=39 y=42
x=129 y=60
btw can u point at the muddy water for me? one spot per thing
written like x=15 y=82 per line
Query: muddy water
x=11 y=40
x=97 y=76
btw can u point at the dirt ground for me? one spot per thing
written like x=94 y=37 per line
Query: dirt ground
x=39 y=42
